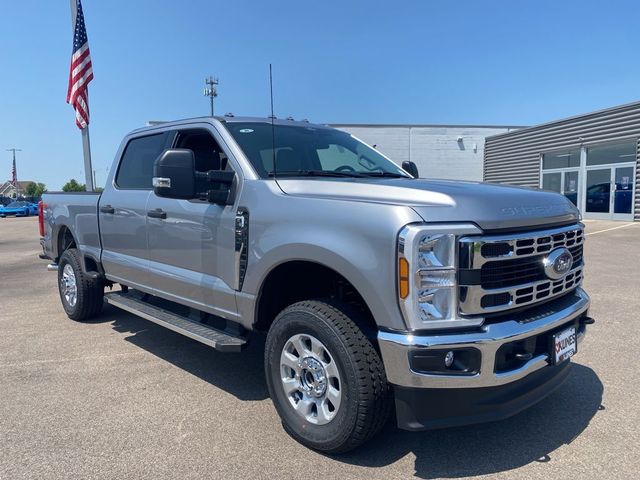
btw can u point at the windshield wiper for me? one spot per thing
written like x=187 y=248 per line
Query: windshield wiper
x=314 y=173
x=385 y=174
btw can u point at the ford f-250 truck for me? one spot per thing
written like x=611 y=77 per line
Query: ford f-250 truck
x=453 y=302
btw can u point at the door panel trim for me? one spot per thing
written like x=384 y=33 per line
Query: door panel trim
x=223 y=293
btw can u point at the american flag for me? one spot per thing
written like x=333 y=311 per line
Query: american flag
x=81 y=72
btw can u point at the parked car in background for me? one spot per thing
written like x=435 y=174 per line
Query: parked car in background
x=19 y=209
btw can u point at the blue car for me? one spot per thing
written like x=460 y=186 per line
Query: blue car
x=19 y=209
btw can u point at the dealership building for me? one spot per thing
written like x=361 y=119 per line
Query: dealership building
x=592 y=159
x=439 y=151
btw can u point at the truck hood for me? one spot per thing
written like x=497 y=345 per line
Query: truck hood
x=490 y=206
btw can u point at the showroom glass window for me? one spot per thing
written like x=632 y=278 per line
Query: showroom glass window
x=611 y=179
x=560 y=173
x=611 y=153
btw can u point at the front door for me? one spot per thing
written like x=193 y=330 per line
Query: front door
x=191 y=248
x=610 y=192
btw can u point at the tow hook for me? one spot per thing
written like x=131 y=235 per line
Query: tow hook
x=587 y=321
x=523 y=356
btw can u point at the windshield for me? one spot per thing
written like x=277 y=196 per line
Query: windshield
x=309 y=151
x=16 y=204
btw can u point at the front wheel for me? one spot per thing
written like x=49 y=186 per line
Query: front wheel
x=325 y=377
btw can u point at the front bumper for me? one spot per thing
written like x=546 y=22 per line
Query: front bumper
x=492 y=373
x=425 y=408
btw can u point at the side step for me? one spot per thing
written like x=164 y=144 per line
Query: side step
x=133 y=302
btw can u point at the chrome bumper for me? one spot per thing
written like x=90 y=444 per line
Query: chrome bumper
x=395 y=348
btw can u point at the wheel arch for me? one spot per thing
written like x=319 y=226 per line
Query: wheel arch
x=288 y=282
x=64 y=240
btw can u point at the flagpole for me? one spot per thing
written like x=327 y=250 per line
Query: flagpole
x=86 y=150
x=86 y=144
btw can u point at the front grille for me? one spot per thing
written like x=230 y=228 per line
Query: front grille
x=511 y=272
x=503 y=272
x=507 y=273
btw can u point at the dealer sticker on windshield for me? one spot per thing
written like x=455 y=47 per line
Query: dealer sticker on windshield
x=564 y=345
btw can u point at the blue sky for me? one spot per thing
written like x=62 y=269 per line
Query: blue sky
x=466 y=62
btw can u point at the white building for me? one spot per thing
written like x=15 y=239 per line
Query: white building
x=439 y=151
x=8 y=189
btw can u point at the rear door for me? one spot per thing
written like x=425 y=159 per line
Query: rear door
x=192 y=249
x=123 y=210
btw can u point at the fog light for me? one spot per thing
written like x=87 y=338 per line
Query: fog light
x=448 y=359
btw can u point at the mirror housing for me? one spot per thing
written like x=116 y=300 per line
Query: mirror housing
x=411 y=168
x=174 y=174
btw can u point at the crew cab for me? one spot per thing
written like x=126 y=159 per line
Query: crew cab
x=449 y=302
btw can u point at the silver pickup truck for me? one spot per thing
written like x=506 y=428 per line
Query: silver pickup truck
x=449 y=302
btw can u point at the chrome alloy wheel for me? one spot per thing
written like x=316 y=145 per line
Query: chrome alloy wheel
x=68 y=285
x=310 y=379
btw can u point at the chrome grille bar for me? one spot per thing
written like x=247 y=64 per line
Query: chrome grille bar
x=475 y=300
x=476 y=251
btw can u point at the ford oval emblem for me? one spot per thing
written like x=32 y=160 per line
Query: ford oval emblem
x=558 y=263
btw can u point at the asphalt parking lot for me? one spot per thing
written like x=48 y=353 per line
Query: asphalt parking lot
x=123 y=398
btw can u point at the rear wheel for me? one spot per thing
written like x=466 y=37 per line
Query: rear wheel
x=325 y=377
x=81 y=295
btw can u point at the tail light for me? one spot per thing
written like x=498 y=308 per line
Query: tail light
x=41 y=207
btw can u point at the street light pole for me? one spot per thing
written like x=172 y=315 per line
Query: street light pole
x=211 y=89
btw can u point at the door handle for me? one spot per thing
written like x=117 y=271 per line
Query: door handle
x=107 y=209
x=157 y=213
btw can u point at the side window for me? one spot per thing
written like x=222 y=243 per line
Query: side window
x=207 y=153
x=136 y=166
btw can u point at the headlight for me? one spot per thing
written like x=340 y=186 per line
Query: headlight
x=427 y=284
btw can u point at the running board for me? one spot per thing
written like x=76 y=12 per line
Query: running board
x=133 y=302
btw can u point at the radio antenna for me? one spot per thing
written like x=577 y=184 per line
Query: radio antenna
x=273 y=128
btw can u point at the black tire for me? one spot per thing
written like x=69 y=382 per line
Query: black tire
x=90 y=292
x=366 y=395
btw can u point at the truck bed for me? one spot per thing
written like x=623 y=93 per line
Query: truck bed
x=77 y=212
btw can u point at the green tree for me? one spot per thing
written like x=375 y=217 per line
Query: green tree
x=73 y=186
x=35 y=189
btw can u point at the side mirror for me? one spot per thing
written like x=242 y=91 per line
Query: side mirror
x=174 y=174
x=411 y=168
x=223 y=181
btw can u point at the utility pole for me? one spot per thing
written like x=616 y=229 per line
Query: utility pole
x=211 y=89
x=14 y=170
